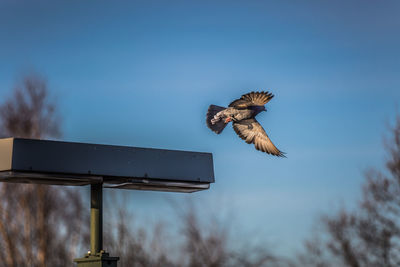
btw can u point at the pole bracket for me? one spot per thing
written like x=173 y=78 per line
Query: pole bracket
x=101 y=259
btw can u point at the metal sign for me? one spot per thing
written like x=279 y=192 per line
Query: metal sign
x=67 y=163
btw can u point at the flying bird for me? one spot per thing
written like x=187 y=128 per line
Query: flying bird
x=242 y=113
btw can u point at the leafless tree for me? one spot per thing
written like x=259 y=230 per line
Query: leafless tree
x=135 y=245
x=370 y=234
x=39 y=225
x=209 y=244
x=199 y=240
x=29 y=112
x=204 y=245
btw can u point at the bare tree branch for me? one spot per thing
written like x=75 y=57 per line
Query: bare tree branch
x=369 y=235
x=39 y=225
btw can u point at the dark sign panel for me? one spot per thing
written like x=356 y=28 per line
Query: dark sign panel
x=66 y=163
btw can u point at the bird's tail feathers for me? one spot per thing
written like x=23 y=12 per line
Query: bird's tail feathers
x=215 y=126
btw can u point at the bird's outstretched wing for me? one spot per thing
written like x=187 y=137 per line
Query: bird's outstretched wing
x=252 y=99
x=253 y=133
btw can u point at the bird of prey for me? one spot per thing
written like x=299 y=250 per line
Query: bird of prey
x=242 y=113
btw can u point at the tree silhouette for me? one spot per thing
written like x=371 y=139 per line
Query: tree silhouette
x=370 y=234
x=40 y=225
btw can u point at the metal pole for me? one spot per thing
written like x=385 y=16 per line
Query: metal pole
x=96 y=218
x=97 y=257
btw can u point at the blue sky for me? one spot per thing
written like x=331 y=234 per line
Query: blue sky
x=142 y=73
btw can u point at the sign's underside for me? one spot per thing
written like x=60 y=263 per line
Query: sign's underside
x=65 y=163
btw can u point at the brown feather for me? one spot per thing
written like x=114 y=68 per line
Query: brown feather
x=252 y=132
x=252 y=99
